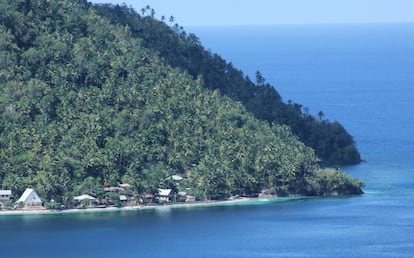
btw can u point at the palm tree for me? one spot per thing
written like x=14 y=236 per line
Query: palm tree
x=260 y=80
x=321 y=115
x=14 y=183
x=148 y=8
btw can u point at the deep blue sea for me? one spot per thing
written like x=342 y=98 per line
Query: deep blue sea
x=360 y=75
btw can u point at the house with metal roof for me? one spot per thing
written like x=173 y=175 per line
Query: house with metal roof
x=86 y=199
x=30 y=199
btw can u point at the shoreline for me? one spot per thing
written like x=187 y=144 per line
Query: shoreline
x=238 y=201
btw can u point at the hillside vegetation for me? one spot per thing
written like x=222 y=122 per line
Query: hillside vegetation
x=85 y=103
x=331 y=142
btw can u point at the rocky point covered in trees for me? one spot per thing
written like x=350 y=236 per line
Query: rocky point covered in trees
x=85 y=103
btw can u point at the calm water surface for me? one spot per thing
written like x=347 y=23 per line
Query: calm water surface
x=359 y=75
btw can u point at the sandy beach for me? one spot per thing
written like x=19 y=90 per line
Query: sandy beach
x=237 y=201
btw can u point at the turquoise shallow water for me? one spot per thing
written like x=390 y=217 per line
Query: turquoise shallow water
x=359 y=75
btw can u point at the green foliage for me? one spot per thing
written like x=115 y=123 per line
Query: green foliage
x=333 y=182
x=331 y=142
x=8 y=204
x=113 y=198
x=53 y=205
x=84 y=104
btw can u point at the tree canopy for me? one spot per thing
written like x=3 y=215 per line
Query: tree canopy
x=331 y=142
x=84 y=103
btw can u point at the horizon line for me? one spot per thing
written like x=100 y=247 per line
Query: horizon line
x=302 y=24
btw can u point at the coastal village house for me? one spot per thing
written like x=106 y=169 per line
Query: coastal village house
x=176 y=178
x=86 y=199
x=165 y=195
x=117 y=189
x=30 y=199
x=147 y=198
x=113 y=189
x=122 y=190
x=183 y=196
x=5 y=195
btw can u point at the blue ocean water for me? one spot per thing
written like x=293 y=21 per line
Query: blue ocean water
x=360 y=75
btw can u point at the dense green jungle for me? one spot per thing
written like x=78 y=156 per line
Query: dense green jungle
x=95 y=95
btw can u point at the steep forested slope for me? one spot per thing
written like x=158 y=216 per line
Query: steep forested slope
x=332 y=143
x=84 y=104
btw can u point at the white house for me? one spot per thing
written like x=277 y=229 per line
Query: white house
x=164 y=195
x=177 y=177
x=30 y=199
x=5 y=195
x=124 y=185
x=190 y=198
x=90 y=200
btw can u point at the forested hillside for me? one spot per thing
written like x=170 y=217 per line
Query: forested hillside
x=84 y=103
x=332 y=143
